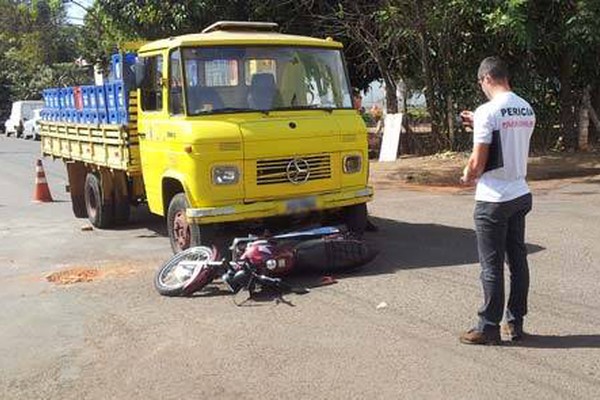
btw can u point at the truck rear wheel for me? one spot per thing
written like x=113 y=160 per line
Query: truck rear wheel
x=99 y=212
x=79 y=206
x=77 y=174
x=183 y=234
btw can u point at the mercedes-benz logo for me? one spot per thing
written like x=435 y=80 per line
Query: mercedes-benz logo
x=298 y=171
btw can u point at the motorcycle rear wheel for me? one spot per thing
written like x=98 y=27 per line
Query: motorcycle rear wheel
x=184 y=273
x=332 y=255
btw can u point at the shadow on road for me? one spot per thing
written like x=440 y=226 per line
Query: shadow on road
x=405 y=245
x=560 y=342
x=141 y=217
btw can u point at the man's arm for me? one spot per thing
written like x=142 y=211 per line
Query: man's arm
x=476 y=163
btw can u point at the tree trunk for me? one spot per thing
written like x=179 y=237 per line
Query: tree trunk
x=391 y=99
x=584 y=121
x=595 y=106
x=426 y=66
x=567 y=117
x=450 y=119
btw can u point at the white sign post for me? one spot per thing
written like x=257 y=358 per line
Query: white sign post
x=391 y=137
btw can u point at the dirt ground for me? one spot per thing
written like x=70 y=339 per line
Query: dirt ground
x=441 y=172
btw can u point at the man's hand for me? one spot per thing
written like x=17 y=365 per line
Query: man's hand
x=476 y=164
x=466 y=179
x=467 y=118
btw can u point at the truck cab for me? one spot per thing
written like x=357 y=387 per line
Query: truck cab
x=240 y=122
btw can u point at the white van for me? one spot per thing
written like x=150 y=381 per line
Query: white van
x=21 y=112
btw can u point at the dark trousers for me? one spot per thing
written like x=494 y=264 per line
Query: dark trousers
x=500 y=229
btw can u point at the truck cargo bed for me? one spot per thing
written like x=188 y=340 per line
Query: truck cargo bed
x=113 y=146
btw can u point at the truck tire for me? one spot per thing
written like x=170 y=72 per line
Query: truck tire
x=182 y=234
x=77 y=173
x=99 y=212
x=355 y=218
x=79 y=206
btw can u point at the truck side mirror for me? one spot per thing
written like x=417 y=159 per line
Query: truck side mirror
x=140 y=73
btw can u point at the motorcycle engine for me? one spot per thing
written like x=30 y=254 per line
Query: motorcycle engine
x=269 y=258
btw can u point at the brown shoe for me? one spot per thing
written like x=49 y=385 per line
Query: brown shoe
x=473 y=336
x=513 y=332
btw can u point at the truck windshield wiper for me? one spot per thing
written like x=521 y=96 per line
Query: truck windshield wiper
x=232 y=110
x=307 y=107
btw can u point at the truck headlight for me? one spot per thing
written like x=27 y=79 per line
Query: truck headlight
x=352 y=164
x=225 y=175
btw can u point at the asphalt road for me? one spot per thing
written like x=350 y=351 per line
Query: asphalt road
x=116 y=338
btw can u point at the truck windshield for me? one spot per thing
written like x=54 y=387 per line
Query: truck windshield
x=237 y=79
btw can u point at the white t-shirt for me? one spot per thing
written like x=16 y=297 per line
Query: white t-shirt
x=513 y=120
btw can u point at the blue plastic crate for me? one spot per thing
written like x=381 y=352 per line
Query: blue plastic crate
x=111 y=99
x=69 y=97
x=120 y=66
x=55 y=102
x=101 y=98
x=85 y=117
x=102 y=117
x=61 y=98
x=116 y=67
x=121 y=95
x=123 y=117
x=79 y=117
x=113 y=116
x=88 y=94
x=72 y=117
x=47 y=98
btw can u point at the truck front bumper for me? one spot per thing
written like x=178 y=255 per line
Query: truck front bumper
x=273 y=208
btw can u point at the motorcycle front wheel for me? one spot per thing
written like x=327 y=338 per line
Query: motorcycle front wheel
x=185 y=272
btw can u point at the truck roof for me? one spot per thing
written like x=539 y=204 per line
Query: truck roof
x=242 y=37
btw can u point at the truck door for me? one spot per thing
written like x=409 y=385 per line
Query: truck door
x=153 y=112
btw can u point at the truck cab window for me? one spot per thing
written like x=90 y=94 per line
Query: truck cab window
x=152 y=97
x=175 y=84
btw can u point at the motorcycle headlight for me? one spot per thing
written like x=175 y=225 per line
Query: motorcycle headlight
x=225 y=175
x=352 y=164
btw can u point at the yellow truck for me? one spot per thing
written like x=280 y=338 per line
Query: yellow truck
x=237 y=123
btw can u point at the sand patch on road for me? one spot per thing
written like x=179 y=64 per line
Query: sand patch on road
x=83 y=274
x=74 y=275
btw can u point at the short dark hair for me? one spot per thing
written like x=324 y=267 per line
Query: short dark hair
x=494 y=67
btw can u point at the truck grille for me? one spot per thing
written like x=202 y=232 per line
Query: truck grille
x=275 y=171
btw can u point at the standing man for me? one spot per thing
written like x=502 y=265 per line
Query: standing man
x=502 y=129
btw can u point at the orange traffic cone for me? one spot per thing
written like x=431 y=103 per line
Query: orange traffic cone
x=41 y=192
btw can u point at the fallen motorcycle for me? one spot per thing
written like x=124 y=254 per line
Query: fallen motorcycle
x=261 y=262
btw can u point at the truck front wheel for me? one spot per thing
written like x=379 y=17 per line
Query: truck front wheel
x=99 y=212
x=355 y=218
x=183 y=234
